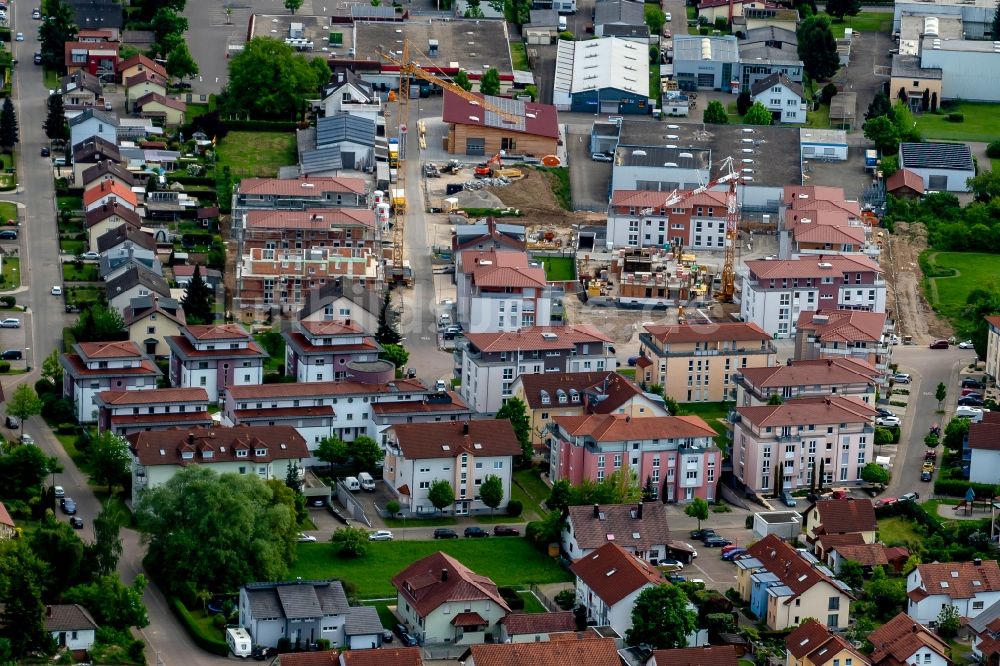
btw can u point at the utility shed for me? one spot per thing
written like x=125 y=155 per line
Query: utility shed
x=782 y=524
x=944 y=167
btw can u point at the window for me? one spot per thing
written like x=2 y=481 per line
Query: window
x=618 y=460
x=832 y=620
x=497 y=464
x=977 y=605
x=424 y=485
x=692 y=475
x=600 y=462
x=834 y=604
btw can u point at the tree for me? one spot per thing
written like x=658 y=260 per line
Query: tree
x=948 y=620
x=758 y=114
x=167 y=22
x=293 y=477
x=332 y=450
x=55 y=121
x=441 y=494
x=655 y=19
x=393 y=507
x=198 y=300
x=649 y=490
x=23 y=611
x=180 y=63
x=985 y=186
x=661 y=618
x=515 y=411
x=350 y=541
x=859 y=631
x=293 y=5
x=489 y=84
x=775 y=399
x=840 y=8
x=883 y=133
x=883 y=436
x=473 y=9
x=491 y=492
x=101 y=557
x=880 y=106
x=61 y=551
x=22 y=471
x=57 y=29
x=697 y=509
x=955 y=433
x=366 y=454
x=253 y=539
x=99 y=323
x=52 y=368
x=559 y=496
x=940 y=393
x=875 y=474
x=24 y=403
x=715 y=114
x=395 y=354
x=818 y=48
x=109 y=461
x=743 y=102
x=888 y=595
x=852 y=573
x=461 y=79
x=828 y=93
x=8 y=125
x=387 y=333
x=111 y=602
x=269 y=80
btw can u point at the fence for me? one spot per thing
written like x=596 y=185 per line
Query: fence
x=550 y=604
x=351 y=504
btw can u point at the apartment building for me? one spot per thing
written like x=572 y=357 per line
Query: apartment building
x=341 y=300
x=501 y=291
x=297 y=194
x=215 y=358
x=126 y=412
x=492 y=361
x=838 y=334
x=317 y=351
x=835 y=231
x=993 y=346
x=782 y=447
x=970 y=587
x=775 y=293
x=640 y=218
x=104 y=366
x=675 y=454
x=842 y=376
x=699 y=362
x=639 y=528
x=350 y=228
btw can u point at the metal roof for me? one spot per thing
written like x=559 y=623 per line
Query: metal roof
x=345 y=127
x=956 y=156
x=321 y=160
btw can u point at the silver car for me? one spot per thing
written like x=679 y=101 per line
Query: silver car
x=10 y=322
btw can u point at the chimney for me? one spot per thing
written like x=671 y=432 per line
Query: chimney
x=977 y=562
x=191 y=438
x=444 y=575
x=628 y=419
x=465 y=427
x=916 y=628
x=597 y=511
x=829 y=362
x=48 y=611
x=638 y=511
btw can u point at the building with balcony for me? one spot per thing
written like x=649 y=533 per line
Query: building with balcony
x=971 y=587
x=340 y=300
x=104 y=366
x=675 y=454
x=838 y=334
x=350 y=228
x=698 y=363
x=783 y=447
x=351 y=94
x=501 y=291
x=801 y=379
x=830 y=230
x=299 y=194
x=215 y=358
x=639 y=528
x=492 y=361
x=639 y=218
x=126 y=412
x=317 y=351
x=775 y=293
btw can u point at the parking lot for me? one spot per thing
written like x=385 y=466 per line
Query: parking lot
x=12 y=339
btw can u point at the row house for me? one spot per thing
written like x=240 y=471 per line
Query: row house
x=122 y=234
x=782 y=447
x=842 y=376
x=419 y=408
x=464 y=454
x=215 y=358
x=775 y=292
x=576 y=393
x=93 y=148
x=785 y=586
x=501 y=291
x=903 y=640
x=298 y=194
x=107 y=170
x=126 y=412
x=838 y=334
x=109 y=192
x=640 y=218
x=492 y=361
x=271 y=277
x=94 y=367
x=351 y=228
x=317 y=351
x=699 y=362
x=134 y=281
x=110 y=215
x=144 y=83
x=675 y=454
x=830 y=517
x=971 y=587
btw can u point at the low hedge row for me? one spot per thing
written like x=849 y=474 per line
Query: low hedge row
x=958 y=488
x=205 y=642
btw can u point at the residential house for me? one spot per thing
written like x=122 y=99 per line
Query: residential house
x=387 y=656
x=905 y=184
x=993 y=346
x=323 y=351
x=714 y=9
x=266 y=451
x=91 y=151
x=7 y=527
x=640 y=219
x=109 y=215
x=844 y=516
x=838 y=334
x=593 y=447
x=104 y=15
x=338 y=142
x=126 y=412
x=429 y=407
x=96 y=35
x=215 y=357
x=124 y=233
x=707 y=655
x=302 y=612
x=985 y=631
x=351 y=94
x=299 y=193
x=464 y=454
x=104 y=366
x=137 y=64
x=183 y=274
x=775 y=293
x=150 y=320
x=799 y=379
x=785 y=586
x=109 y=192
x=816 y=232
x=492 y=361
x=983 y=446
x=502 y=291
x=97 y=58
x=639 y=528
x=590 y=650
x=686 y=358
x=80 y=89
x=72 y=627
x=440 y=600
x=607 y=392
x=104 y=170
x=782 y=97
x=812 y=644
x=866 y=555
x=528 y=129
x=342 y=300
x=535 y=627
x=483 y=236
x=93 y=122
x=800 y=436
x=119 y=260
x=970 y=587
x=170 y=112
x=903 y=640
x=144 y=83
x=134 y=282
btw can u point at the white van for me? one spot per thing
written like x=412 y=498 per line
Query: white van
x=239 y=641
x=562 y=24
x=367 y=482
x=352 y=484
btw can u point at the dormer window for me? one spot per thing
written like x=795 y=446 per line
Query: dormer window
x=207 y=453
x=260 y=453
x=209 y=347
x=241 y=453
x=187 y=455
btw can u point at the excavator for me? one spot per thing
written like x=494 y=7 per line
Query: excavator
x=485 y=169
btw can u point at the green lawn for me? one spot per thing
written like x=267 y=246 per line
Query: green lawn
x=712 y=412
x=51 y=78
x=257 y=154
x=820 y=119
x=979 y=124
x=531 y=491
x=384 y=614
x=11 y=276
x=558 y=269
x=627 y=372
x=8 y=211
x=531 y=602
x=70 y=203
x=994 y=164
x=863 y=22
x=519 y=56
x=896 y=530
x=510 y=562
x=654 y=82
x=82 y=295
x=436 y=521
x=958 y=273
x=81 y=273
x=71 y=247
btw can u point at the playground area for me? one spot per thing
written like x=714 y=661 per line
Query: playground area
x=965 y=510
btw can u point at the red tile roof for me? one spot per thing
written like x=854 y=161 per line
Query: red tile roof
x=5 y=519
x=905 y=178
x=440 y=578
x=145 y=76
x=270 y=413
x=824 y=372
x=825 y=233
x=828 y=542
x=312 y=186
x=106 y=187
x=300 y=343
x=993 y=320
x=620 y=523
x=422 y=406
x=536 y=119
x=172 y=419
x=710 y=655
x=109 y=209
x=539 y=623
x=715 y=332
x=164 y=447
x=154 y=396
x=468 y=620
x=814 y=642
x=447 y=439
x=844 y=325
x=793 y=570
x=534 y=337
x=125 y=349
x=809 y=267
x=386 y=656
x=621 y=427
x=809 y=411
x=574 y=651
x=899 y=638
x=797 y=194
x=141 y=60
x=76 y=368
x=321 y=389
x=985 y=435
x=320 y=329
x=960 y=580
x=157 y=98
x=205 y=332
x=612 y=573
x=846 y=515
x=310 y=218
x=656 y=200
x=866 y=554
x=510 y=270
x=615 y=389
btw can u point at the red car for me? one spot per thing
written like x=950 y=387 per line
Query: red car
x=939 y=344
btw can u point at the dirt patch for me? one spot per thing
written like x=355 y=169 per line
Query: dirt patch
x=533 y=196
x=913 y=314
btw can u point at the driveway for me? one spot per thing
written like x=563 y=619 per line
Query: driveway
x=589 y=180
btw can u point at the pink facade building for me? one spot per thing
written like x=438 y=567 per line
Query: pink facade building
x=677 y=454
x=832 y=436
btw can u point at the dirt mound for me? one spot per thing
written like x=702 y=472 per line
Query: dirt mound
x=906 y=301
x=533 y=196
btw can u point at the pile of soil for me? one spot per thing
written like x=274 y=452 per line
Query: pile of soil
x=906 y=301
x=533 y=196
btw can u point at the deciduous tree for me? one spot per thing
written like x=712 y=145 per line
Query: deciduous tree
x=560 y=495
x=661 y=618
x=697 y=509
x=955 y=433
x=461 y=79
x=489 y=84
x=875 y=474
x=180 y=64
x=441 y=494
x=366 y=454
x=852 y=573
x=332 y=450
x=58 y=28
x=57 y=545
x=52 y=369
x=940 y=393
x=655 y=18
x=841 y=8
x=395 y=354
x=883 y=133
x=23 y=613
x=350 y=541
x=948 y=620
x=198 y=300
x=111 y=602
x=101 y=557
x=269 y=80
x=109 y=461
x=515 y=411
x=491 y=492
x=168 y=22
x=293 y=5
x=24 y=403
x=99 y=323
x=715 y=114
x=758 y=114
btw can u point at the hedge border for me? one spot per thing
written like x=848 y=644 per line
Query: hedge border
x=207 y=643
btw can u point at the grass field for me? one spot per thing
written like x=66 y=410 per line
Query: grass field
x=820 y=119
x=11 y=272
x=531 y=491
x=72 y=247
x=558 y=269
x=510 y=562
x=712 y=412
x=8 y=211
x=519 y=57
x=85 y=273
x=897 y=530
x=531 y=602
x=863 y=22
x=979 y=123
x=257 y=154
x=953 y=276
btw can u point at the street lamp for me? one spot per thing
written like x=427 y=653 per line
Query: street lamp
x=27 y=351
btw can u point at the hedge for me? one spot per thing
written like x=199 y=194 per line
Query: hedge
x=68 y=339
x=207 y=643
x=192 y=180
x=911 y=510
x=958 y=488
x=4 y=34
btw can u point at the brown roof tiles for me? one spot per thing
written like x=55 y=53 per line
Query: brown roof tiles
x=809 y=411
x=573 y=652
x=960 y=580
x=538 y=623
x=449 y=439
x=313 y=186
x=898 y=639
x=716 y=332
x=837 y=371
x=153 y=396
x=612 y=573
x=440 y=578
x=640 y=526
x=794 y=571
x=710 y=655
x=844 y=325
x=617 y=389
x=537 y=337
x=621 y=427
x=163 y=447
x=846 y=515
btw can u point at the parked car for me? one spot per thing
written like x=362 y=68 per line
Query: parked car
x=380 y=535
x=27 y=439
x=405 y=636
x=676 y=578
x=306 y=538
x=973 y=383
x=667 y=17
x=317 y=501
x=45 y=151
x=445 y=533
x=909 y=497
x=10 y=322
x=702 y=534
x=882 y=411
x=939 y=344
x=601 y=157
x=56 y=290
x=504 y=530
x=734 y=554
x=889 y=421
x=930 y=454
x=928 y=466
x=68 y=506
x=8 y=234
x=386 y=636
x=12 y=355
x=670 y=563
x=925 y=476
x=90 y=256
x=475 y=533
x=716 y=542
x=38 y=59
x=787 y=499
x=966 y=344
x=901 y=378
x=261 y=652
x=970 y=401
x=76 y=522
x=59 y=492
x=12 y=422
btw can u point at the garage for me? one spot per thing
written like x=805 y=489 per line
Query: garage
x=475 y=146
x=609 y=107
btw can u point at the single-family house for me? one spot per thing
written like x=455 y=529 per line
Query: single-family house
x=903 y=640
x=150 y=320
x=71 y=626
x=317 y=351
x=985 y=631
x=867 y=555
x=91 y=151
x=969 y=586
x=104 y=366
x=137 y=64
x=103 y=15
x=98 y=58
x=983 y=445
x=119 y=260
x=641 y=529
x=7 y=527
x=134 y=282
x=707 y=655
x=387 y=656
x=782 y=97
x=535 y=627
x=161 y=108
x=80 y=89
x=109 y=215
x=352 y=94
x=109 y=192
x=215 y=357
x=184 y=273
x=143 y=83
x=843 y=516
x=124 y=233
x=93 y=122
x=126 y=412
x=812 y=644
x=302 y=612
x=440 y=600
x=589 y=649
x=104 y=170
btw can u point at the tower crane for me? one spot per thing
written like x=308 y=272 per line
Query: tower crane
x=407 y=70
